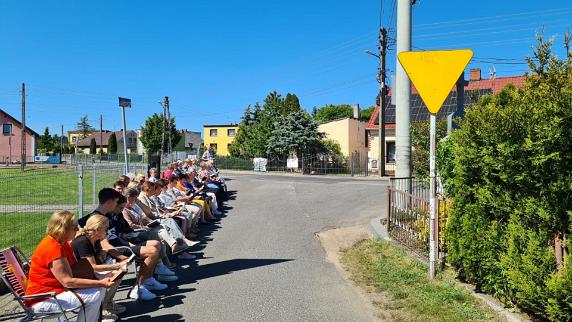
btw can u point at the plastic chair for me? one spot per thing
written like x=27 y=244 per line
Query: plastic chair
x=15 y=268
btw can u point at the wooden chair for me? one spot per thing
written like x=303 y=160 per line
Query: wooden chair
x=15 y=268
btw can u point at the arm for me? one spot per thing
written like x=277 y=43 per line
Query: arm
x=131 y=221
x=112 y=252
x=62 y=272
x=104 y=267
x=146 y=209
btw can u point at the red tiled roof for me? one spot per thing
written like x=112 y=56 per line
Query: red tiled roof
x=496 y=85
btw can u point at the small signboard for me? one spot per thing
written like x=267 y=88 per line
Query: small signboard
x=292 y=163
x=260 y=164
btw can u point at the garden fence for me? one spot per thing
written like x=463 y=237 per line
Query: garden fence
x=28 y=198
x=408 y=215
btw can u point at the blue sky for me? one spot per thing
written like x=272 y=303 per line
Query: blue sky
x=213 y=58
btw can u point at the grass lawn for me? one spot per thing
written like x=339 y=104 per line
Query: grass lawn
x=25 y=230
x=383 y=268
x=51 y=186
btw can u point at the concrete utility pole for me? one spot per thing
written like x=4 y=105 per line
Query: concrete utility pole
x=403 y=93
x=164 y=104
x=23 y=156
x=169 y=146
x=382 y=98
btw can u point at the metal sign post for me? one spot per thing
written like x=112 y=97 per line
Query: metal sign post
x=123 y=103
x=434 y=73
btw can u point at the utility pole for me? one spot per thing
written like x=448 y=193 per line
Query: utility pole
x=169 y=146
x=23 y=156
x=403 y=94
x=62 y=143
x=164 y=104
x=382 y=98
x=101 y=137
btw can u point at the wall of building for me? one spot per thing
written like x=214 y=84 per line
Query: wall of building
x=349 y=133
x=13 y=143
x=373 y=150
x=222 y=139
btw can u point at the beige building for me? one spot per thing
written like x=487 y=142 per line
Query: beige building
x=350 y=133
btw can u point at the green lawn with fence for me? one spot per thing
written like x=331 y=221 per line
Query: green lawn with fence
x=23 y=229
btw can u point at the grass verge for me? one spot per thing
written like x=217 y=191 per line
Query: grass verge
x=383 y=268
x=23 y=229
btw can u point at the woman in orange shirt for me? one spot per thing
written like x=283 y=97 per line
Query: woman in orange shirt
x=50 y=271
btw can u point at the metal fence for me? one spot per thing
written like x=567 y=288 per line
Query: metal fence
x=316 y=164
x=28 y=198
x=408 y=215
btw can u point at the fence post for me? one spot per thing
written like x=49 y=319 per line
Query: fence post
x=80 y=189
x=302 y=163
x=389 y=206
x=94 y=186
x=352 y=164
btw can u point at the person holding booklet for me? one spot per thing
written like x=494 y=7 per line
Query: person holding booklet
x=87 y=246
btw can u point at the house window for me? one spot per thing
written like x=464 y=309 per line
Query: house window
x=390 y=150
x=213 y=132
x=231 y=132
x=74 y=139
x=228 y=147
x=7 y=129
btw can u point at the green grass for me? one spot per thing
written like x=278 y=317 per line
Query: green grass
x=25 y=230
x=383 y=268
x=50 y=186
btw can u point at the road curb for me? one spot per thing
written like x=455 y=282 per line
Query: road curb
x=224 y=172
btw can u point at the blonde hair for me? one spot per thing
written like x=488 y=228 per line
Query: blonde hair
x=93 y=223
x=133 y=185
x=59 y=223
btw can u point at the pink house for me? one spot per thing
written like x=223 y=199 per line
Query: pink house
x=11 y=140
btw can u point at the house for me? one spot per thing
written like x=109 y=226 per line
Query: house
x=11 y=140
x=350 y=133
x=75 y=136
x=102 y=140
x=474 y=89
x=220 y=137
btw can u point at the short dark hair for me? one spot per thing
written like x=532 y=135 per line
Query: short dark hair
x=173 y=178
x=132 y=193
x=119 y=183
x=148 y=185
x=121 y=200
x=107 y=194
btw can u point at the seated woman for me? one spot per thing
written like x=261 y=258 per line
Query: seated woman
x=50 y=271
x=87 y=244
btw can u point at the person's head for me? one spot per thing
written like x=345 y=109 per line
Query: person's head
x=209 y=148
x=133 y=185
x=132 y=195
x=108 y=199
x=119 y=186
x=163 y=185
x=148 y=188
x=96 y=227
x=173 y=179
x=153 y=173
x=125 y=180
x=62 y=226
x=140 y=177
x=120 y=204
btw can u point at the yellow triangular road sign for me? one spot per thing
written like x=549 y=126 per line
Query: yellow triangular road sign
x=434 y=73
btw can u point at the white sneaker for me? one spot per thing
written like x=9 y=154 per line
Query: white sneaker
x=153 y=285
x=161 y=269
x=107 y=316
x=167 y=278
x=141 y=293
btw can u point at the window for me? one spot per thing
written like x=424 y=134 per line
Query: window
x=7 y=129
x=228 y=147
x=213 y=132
x=231 y=132
x=74 y=139
x=390 y=151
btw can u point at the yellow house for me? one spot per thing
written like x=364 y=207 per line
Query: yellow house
x=350 y=133
x=220 y=137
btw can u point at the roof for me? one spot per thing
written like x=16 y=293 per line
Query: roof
x=419 y=111
x=223 y=125
x=18 y=122
x=98 y=136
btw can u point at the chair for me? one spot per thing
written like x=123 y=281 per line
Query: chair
x=15 y=268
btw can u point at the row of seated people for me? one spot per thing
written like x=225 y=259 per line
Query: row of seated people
x=154 y=220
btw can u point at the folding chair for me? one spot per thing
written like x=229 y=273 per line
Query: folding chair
x=15 y=268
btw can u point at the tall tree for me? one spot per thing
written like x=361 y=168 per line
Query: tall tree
x=152 y=133
x=331 y=112
x=112 y=144
x=295 y=132
x=247 y=118
x=92 y=146
x=46 y=143
x=84 y=127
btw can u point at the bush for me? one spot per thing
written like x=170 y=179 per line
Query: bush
x=511 y=182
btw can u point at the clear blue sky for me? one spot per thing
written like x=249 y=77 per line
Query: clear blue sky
x=212 y=58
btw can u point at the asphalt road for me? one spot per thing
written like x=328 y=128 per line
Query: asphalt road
x=263 y=261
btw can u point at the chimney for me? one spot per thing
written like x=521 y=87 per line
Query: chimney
x=475 y=75
x=356 y=111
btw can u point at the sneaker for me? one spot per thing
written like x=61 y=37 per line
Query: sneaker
x=116 y=308
x=186 y=256
x=141 y=293
x=167 y=278
x=161 y=269
x=108 y=316
x=153 y=285
x=192 y=243
x=177 y=248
